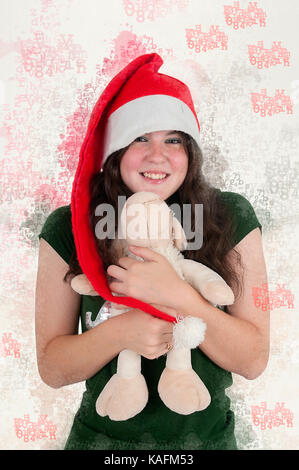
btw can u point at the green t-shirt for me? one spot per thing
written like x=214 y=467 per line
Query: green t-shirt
x=156 y=427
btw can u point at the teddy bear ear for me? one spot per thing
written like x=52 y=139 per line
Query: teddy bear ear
x=178 y=235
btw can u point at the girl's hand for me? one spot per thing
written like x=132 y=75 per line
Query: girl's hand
x=152 y=281
x=145 y=334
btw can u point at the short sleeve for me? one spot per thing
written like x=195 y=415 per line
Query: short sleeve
x=57 y=231
x=243 y=215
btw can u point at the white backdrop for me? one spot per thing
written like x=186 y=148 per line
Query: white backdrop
x=56 y=56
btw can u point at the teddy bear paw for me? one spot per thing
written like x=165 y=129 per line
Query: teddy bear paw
x=122 y=398
x=217 y=291
x=81 y=284
x=182 y=391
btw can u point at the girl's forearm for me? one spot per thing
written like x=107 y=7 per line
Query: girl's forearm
x=232 y=343
x=70 y=359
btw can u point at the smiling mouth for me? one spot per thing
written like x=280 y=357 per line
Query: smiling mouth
x=154 y=176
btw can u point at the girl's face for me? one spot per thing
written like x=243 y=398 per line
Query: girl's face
x=155 y=162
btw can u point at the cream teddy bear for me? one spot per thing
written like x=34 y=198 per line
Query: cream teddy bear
x=126 y=394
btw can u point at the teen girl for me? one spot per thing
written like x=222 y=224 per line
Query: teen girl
x=144 y=127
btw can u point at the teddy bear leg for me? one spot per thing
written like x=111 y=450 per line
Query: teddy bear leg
x=180 y=388
x=126 y=393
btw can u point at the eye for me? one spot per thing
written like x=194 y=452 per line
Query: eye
x=138 y=138
x=175 y=140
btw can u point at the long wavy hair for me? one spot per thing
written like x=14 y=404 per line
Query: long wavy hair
x=218 y=227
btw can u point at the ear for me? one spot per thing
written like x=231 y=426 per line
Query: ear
x=178 y=235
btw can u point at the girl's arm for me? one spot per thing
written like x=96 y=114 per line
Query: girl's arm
x=63 y=356
x=238 y=342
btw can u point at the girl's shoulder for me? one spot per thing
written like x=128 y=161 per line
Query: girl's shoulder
x=57 y=231
x=60 y=214
x=242 y=212
x=232 y=198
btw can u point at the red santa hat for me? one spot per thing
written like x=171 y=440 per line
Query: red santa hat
x=136 y=101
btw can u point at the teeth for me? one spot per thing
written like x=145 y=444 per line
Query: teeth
x=155 y=176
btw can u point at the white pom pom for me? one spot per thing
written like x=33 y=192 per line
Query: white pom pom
x=188 y=332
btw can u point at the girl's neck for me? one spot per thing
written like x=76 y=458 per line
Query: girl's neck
x=174 y=198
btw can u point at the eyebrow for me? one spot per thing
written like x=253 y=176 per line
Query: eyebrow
x=168 y=133
x=172 y=132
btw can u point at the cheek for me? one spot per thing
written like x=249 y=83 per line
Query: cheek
x=180 y=164
x=130 y=162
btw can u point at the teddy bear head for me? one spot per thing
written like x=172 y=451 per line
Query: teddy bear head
x=146 y=220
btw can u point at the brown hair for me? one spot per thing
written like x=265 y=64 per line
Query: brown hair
x=218 y=228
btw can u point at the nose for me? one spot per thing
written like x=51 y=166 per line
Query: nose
x=157 y=152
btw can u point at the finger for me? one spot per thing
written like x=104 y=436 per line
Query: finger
x=164 y=349
x=117 y=287
x=162 y=328
x=116 y=272
x=167 y=338
x=144 y=252
x=162 y=340
x=126 y=262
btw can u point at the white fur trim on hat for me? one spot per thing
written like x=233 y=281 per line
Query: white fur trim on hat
x=147 y=114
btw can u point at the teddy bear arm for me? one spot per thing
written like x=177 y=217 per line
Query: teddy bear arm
x=207 y=282
x=197 y=274
x=82 y=285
